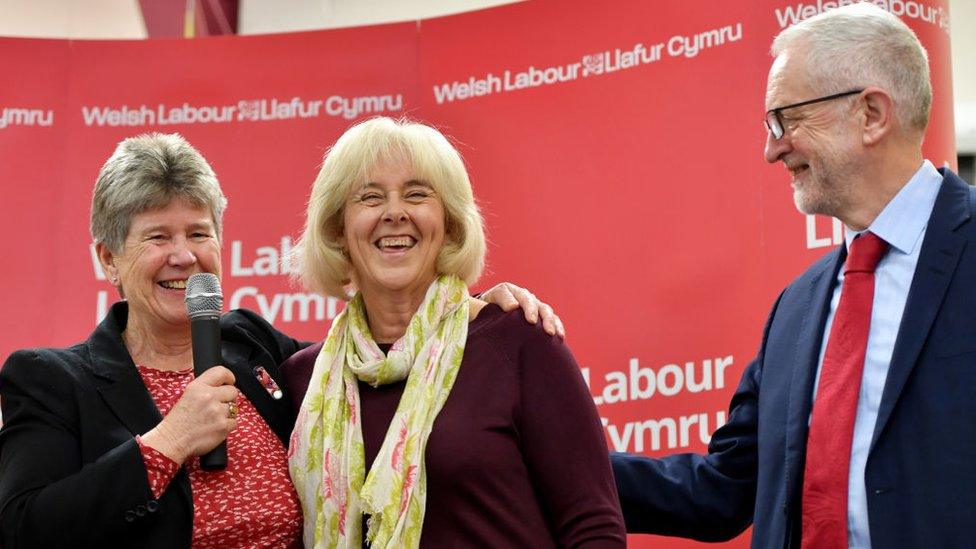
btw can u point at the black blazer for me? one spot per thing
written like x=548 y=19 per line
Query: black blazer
x=71 y=474
x=919 y=475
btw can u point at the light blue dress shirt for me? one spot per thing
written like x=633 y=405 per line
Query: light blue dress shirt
x=902 y=225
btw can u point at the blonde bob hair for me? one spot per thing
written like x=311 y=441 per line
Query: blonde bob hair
x=321 y=262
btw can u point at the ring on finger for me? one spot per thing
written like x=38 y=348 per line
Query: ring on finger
x=232 y=409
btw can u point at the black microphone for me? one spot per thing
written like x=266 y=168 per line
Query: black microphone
x=203 y=303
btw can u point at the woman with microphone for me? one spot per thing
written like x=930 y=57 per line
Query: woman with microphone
x=101 y=440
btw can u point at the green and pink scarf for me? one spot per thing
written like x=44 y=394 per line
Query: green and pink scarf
x=326 y=454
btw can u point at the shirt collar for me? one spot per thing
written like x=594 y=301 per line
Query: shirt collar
x=902 y=222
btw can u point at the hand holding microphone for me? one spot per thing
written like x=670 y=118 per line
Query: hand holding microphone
x=204 y=301
x=200 y=421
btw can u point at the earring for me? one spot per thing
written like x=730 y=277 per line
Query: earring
x=115 y=280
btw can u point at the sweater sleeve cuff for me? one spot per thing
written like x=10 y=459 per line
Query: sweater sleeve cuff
x=160 y=469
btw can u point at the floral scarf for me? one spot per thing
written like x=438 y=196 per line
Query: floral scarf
x=326 y=454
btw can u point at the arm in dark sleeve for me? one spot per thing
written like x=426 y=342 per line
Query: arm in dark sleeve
x=261 y=333
x=564 y=447
x=704 y=497
x=707 y=497
x=48 y=497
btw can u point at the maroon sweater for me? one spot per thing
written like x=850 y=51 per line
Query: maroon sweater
x=517 y=456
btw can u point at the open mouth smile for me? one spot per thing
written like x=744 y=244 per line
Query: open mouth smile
x=395 y=243
x=173 y=284
x=800 y=168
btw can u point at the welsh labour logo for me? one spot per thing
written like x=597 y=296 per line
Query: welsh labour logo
x=593 y=64
x=248 y=110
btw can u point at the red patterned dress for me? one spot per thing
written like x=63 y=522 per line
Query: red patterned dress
x=251 y=503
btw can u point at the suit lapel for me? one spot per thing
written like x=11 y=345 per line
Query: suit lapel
x=242 y=359
x=116 y=377
x=937 y=262
x=816 y=305
x=120 y=385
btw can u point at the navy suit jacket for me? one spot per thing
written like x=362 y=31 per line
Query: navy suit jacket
x=921 y=469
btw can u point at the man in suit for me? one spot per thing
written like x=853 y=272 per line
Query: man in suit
x=852 y=427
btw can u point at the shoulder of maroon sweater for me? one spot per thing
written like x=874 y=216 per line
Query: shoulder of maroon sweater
x=296 y=372
x=305 y=357
x=510 y=336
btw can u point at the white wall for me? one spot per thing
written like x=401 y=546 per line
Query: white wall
x=267 y=16
x=72 y=18
x=962 y=21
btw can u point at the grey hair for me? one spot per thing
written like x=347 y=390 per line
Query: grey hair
x=322 y=263
x=863 y=45
x=145 y=173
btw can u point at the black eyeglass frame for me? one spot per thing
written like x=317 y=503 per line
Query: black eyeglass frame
x=777 y=129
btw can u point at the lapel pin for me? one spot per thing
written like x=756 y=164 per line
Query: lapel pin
x=268 y=382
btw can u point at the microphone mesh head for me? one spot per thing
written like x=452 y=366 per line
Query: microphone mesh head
x=203 y=295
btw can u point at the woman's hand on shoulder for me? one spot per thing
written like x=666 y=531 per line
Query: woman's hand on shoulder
x=508 y=296
x=474 y=307
x=200 y=420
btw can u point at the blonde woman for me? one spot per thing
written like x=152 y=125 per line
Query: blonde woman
x=432 y=418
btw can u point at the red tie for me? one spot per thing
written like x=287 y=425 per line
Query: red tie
x=832 y=424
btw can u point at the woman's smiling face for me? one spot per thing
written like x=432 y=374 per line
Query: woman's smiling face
x=394 y=229
x=161 y=250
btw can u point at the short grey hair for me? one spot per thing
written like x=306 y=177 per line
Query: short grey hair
x=148 y=172
x=322 y=263
x=863 y=45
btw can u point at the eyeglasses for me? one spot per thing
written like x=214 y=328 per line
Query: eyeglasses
x=775 y=124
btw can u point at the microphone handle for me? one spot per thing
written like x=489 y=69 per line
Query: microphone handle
x=205 y=334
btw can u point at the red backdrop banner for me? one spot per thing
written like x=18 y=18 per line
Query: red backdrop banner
x=615 y=148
